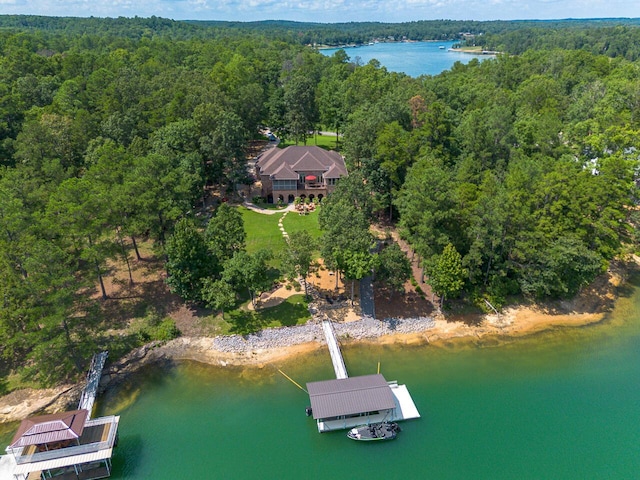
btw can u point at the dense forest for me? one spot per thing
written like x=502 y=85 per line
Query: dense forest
x=513 y=176
x=620 y=40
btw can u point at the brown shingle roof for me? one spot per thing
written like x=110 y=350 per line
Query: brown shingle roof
x=310 y=163
x=284 y=172
x=334 y=172
x=350 y=396
x=301 y=159
x=50 y=428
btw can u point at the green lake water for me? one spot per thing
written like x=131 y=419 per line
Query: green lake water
x=564 y=404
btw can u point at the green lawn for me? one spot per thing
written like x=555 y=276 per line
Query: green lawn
x=324 y=141
x=293 y=311
x=262 y=231
x=295 y=223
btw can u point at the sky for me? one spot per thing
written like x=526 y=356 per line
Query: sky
x=329 y=11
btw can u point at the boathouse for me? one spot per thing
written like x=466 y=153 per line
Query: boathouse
x=65 y=445
x=348 y=402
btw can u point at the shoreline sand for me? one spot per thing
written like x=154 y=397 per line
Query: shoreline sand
x=514 y=322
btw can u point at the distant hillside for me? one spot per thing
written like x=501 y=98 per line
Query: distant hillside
x=501 y=32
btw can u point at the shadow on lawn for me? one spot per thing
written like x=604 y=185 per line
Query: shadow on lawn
x=293 y=311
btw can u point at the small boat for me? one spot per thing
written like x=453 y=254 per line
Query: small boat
x=375 y=431
x=441 y=47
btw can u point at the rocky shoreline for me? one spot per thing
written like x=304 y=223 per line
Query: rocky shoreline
x=363 y=329
x=254 y=349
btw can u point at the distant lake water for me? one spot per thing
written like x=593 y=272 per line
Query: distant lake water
x=412 y=58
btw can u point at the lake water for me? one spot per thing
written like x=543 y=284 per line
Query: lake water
x=562 y=405
x=412 y=58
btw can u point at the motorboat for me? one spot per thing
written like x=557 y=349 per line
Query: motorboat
x=374 y=432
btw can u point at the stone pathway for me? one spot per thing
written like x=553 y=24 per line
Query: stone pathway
x=367 y=303
x=284 y=233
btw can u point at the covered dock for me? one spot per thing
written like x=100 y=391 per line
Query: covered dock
x=349 y=402
x=65 y=445
x=68 y=445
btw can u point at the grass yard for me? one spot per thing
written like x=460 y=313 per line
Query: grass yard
x=262 y=231
x=325 y=141
x=293 y=311
x=295 y=223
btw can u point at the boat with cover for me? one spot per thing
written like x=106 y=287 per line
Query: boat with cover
x=375 y=431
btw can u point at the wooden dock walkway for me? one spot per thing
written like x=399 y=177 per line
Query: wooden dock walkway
x=334 y=350
x=90 y=391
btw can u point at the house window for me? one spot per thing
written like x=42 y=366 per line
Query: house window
x=285 y=185
x=332 y=181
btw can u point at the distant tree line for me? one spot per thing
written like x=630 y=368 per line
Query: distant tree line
x=516 y=34
x=621 y=40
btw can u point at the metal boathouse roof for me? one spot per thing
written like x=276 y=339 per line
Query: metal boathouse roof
x=350 y=396
x=50 y=428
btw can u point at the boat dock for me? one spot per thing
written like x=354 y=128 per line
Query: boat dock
x=88 y=397
x=334 y=349
x=65 y=445
x=353 y=401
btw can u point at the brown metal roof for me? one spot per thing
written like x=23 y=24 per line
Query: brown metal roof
x=50 y=428
x=350 y=396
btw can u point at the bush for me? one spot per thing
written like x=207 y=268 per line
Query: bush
x=256 y=200
x=166 y=330
x=153 y=327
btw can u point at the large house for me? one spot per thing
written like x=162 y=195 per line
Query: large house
x=296 y=171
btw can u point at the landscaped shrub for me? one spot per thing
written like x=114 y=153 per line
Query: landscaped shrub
x=153 y=327
x=166 y=330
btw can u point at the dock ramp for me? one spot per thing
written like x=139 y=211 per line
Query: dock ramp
x=90 y=391
x=334 y=349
